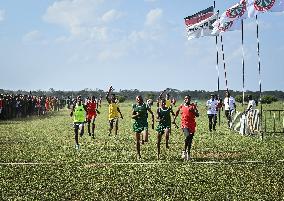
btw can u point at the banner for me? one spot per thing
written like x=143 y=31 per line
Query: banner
x=226 y=26
x=200 y=26
x=236 y=12
x=260 y=6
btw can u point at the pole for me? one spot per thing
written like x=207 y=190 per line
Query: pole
x=224 y=63
x=243 y=63
x=259 y=72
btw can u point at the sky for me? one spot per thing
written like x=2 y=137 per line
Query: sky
x=130 y=44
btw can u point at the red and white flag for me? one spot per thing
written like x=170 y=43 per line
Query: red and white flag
x=226 y=26
x=261 y=6
x=200 y=24
x=236 y=12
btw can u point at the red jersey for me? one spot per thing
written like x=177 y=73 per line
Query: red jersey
x=91 y=109
x=188 y=117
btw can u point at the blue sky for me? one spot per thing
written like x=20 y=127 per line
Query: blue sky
x=130 y=44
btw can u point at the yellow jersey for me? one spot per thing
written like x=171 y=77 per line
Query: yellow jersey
x=112 y=111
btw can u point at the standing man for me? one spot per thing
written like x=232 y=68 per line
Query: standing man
x=230 y=106
x=79 y=113
x=92 y=112
x=113 y=111
x=188 y=113
x=212 y=108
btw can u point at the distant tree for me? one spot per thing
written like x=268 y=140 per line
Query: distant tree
x=121 y=99
x=150 y=96
x=268 y=99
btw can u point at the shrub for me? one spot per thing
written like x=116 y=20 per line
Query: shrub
x=268 y=99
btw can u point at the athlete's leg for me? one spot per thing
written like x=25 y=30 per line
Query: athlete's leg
x=116 y=126
x=190 y=143
x=137 y=138
x=210 y=117
x=159 y=138
x=76 y=131
x=89 y=125
x=110 y=126
x=167 y=136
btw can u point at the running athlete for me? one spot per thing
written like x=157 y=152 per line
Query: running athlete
x=164 y=126
x=140 y=125
x=79 y=113
x=113 y=111
x=188 y=113
x=92 y=112
x=212 y=109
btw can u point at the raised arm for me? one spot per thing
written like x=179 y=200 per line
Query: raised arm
x=108 y=93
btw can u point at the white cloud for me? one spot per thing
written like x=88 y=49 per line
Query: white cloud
x=83 y=20
x=111 y=15
x=34 y=36
x=72 y=13
x=2 y=15
x=153 y=17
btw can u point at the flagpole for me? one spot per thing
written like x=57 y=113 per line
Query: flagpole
x=224 y=63
x=243 y=62
x=217 y=68
x=259 y=72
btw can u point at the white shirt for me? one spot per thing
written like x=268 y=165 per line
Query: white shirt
x=251 y=104
x=231 y=104
x=212 y=106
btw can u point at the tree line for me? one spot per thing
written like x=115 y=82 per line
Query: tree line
x=130 y=94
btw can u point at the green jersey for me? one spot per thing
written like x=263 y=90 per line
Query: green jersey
x=141 y=121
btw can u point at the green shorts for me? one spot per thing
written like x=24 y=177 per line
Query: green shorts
x=140 y=126
x=161 y=128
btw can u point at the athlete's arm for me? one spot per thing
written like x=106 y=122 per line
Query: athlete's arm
x=108 y=93
x=119 y=113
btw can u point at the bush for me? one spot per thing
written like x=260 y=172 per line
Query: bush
x=268 y=99
x=150 y=96
x=121 y=99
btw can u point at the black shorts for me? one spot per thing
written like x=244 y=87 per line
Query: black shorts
x=187 y=132
x=113 y=121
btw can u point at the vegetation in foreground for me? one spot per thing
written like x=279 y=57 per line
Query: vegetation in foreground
x=39 y=162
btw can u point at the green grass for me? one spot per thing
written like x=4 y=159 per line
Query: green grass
x=106 y=168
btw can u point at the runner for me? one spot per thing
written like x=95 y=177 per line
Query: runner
x=92 y=112
x=164 y=126
x=140 y=125
x=113 y=111
x=212 y=108
x=79 y=112
x=230 y=106
x=188 y=113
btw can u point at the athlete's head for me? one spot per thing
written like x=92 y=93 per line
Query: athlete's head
x=139 y=99
x=187 y=99
x=113 y=98
x=93 y=98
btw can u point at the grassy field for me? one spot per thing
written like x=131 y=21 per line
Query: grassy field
x=39 y=162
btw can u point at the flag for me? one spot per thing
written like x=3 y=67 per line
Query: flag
x=260 y=6
x=200 y=24
x=237 y=11
x=200 y=16
x=226 y=26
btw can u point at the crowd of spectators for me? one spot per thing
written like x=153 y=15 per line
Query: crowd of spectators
x=21 y=106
